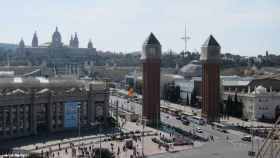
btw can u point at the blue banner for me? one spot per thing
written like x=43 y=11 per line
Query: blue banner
x=71 y=114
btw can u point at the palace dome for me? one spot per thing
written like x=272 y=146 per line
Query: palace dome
x=193 y=69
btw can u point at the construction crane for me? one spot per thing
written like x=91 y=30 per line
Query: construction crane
x=271 y=145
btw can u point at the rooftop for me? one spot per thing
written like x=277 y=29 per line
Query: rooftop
x=151 y=40
x=210 y=41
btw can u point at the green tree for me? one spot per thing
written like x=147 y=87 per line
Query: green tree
x=138 y=86
x=171 y=92
x=193 y=98
x=228 y=109
x=188 y=100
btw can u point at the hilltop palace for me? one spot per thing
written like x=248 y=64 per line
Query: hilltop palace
x=54 y=57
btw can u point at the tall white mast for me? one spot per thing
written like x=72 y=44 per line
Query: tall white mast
x=185 y=38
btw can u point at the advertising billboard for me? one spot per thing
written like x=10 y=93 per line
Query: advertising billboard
x=71 y=114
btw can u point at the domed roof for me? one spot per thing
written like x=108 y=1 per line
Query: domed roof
x=193 y=69
x=90 y=45
x=56 y=33
x=260 y=89
x=21 y=43
x=56 y=39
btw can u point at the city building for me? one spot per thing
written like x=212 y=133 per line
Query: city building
x=189 y=87
x=29 y=106
x=58 y=57
x=260 y=104
x=150 y=58
x=210 y=58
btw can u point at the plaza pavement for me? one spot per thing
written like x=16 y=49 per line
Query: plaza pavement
x=57 y=147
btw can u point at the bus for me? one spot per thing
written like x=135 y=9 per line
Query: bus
x=174 y=112
x=197 y=120
x=164 y=109
x=219 y=127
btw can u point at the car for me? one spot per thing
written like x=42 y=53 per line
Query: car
x=224 y=131
x=246 y=138
x=199 y=130
x=186 y=122
x=178 y=118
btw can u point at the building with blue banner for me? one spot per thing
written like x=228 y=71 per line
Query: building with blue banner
x=71 y=114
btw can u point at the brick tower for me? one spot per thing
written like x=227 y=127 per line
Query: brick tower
x=150 y=58
x=210 y=58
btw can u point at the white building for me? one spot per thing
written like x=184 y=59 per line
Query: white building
x=261 y=104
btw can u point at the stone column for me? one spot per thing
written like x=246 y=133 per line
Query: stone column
x=91 y=106
x=63 y=109
x=33 y=120
x=81 y=113
x=106 y=102
x=25 y=121
x=106 y=105
x=11 y=120
x=4 y=121
x=56 y=116
x=18 y=119
x=50 y=112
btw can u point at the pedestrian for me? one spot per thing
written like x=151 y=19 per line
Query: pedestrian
x=118 y=153
x=124 y=149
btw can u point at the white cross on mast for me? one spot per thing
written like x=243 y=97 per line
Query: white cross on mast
x=185 y=39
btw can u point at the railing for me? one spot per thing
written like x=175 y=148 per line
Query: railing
x=271 y=143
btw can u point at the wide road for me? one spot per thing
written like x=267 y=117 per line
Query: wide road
x=221 y=147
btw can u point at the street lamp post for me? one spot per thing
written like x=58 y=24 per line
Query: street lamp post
x=79 y=123
x=99 y=140
x=144 y=124
x=98 y=124
x=252 y=153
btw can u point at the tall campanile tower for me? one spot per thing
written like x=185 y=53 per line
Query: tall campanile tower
x=210 y=57
x=151 y=79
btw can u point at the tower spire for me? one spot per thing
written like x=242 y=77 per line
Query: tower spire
x=71 y=41
x=21 y=43
x=90 y=45
x=56 y=39
x=34 y=40
x=76 y=41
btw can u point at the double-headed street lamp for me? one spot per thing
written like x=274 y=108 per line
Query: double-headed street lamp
x=93 y=124
x=79 y=123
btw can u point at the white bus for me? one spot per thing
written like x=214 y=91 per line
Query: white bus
x=197 y=120
x=219 y=127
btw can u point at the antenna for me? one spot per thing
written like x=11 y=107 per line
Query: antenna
x=185 y=39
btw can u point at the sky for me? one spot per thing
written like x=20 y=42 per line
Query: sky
x=244 y=27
